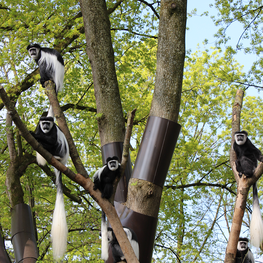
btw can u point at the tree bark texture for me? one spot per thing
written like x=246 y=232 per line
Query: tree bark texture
x=14 y=188
x=145 y=188
x=170 y=60
x=101 y=56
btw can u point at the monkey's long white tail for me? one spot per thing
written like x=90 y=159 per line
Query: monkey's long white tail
x=50 y=112
x=40 y=159
x=59 y=230
x=104 y=237
x=256 y=224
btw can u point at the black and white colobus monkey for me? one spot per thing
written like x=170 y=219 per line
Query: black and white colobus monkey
x=247 y=154
x=115 y=247
x=246 y=163
x=51 y=66
x=53 y=140
x=50 y=62
x=244 y=254
x=103 y=180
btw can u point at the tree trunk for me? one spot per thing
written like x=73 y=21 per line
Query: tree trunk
x=153 y=160
x=23 y=240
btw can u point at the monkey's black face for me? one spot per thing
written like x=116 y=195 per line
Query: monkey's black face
x=113 y=165
x=240 y=138
x=34 y=52
x=46 y=126
x=242 y=245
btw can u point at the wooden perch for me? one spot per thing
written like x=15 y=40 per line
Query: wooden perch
x=126 y=144
x=86 y=183
x=125 y=151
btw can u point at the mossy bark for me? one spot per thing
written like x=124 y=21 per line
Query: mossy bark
x=101 y=56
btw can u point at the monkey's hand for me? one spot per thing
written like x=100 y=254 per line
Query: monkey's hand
x=261 y=158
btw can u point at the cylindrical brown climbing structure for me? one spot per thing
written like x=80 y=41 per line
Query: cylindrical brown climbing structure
x=3 y=254
x=156 y=150
x=152 y=164
x=23 y=234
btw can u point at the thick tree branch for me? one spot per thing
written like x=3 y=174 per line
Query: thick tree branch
x=10 y=138
x=50 y=91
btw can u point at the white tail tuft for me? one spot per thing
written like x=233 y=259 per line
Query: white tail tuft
x=40 y=159
x=135 y=247
x=104 y=240
x=59 y=229
x=50 y=112
x=256 y=227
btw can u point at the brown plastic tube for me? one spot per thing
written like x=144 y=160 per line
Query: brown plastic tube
x=3 y=254
x=156 y=150
x=23 y=234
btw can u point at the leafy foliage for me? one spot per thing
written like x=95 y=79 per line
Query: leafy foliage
x=198 y=196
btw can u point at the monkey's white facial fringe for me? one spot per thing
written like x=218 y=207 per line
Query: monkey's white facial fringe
x=256 y=227
x=240 y=139
x=104 y=241
x=55 y=67
x=59 y=230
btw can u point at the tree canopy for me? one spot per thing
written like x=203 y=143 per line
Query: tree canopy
x=199 y=192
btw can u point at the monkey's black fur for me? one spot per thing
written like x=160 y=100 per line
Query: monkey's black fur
x=103 y=180
x=247 y=154
x=105 y=176
x=49 y=140
x=115 y=247
x=53 y=140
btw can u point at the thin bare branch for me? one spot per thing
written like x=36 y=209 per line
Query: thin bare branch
x=125 y=151
x=151 y=6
